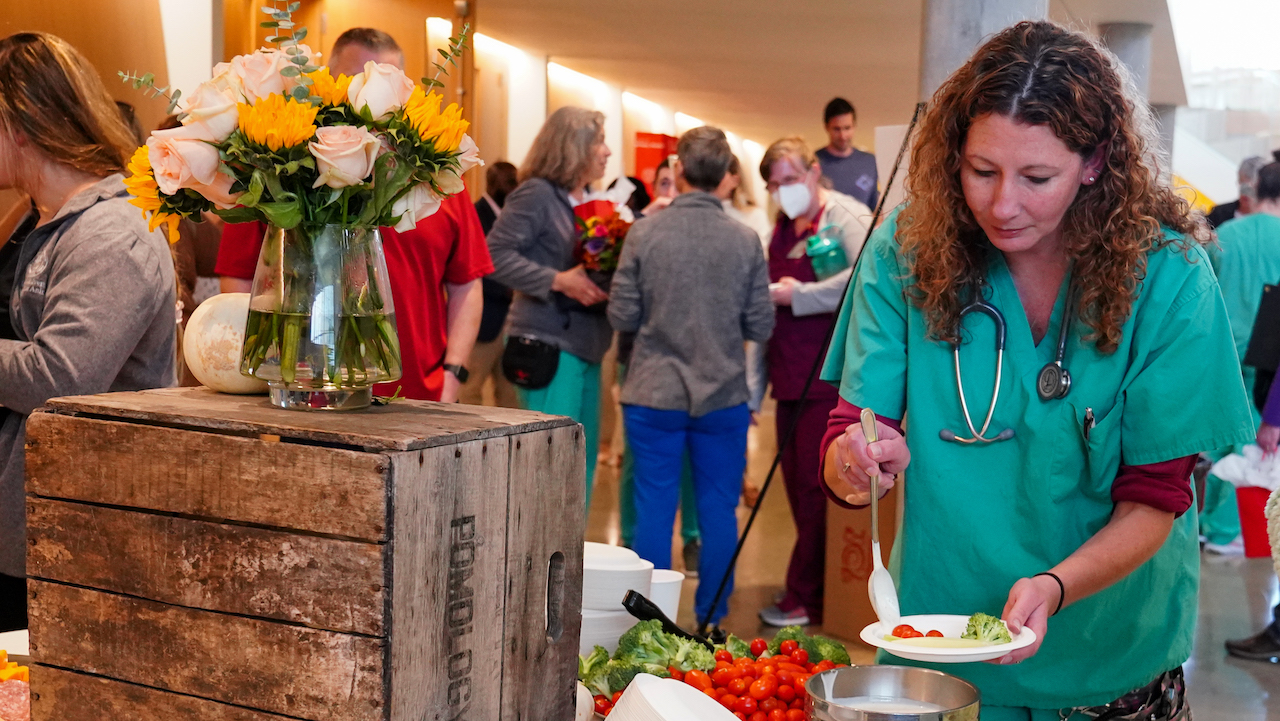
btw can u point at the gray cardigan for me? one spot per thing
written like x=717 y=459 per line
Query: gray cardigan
x=532 y=240
x=94 y=306
x=694 y=284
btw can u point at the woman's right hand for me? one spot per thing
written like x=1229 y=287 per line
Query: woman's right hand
x=658 y=204
x=856 y=461
x=1268 y=439
x=575 y=284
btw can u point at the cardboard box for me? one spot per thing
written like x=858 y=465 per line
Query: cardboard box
x=847 y=603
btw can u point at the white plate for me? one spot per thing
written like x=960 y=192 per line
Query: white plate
x=951 y=627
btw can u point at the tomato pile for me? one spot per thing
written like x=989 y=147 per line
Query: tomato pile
x=763 y=689
x=906 y=631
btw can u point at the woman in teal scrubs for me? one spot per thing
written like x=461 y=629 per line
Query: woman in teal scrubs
x=1033 y=187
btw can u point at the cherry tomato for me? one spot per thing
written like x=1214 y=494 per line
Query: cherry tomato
x=759 y=716
x=934 y=634
x=788 y=666
x=738 y=686
x=786 y=693
x=770 y=704
x=616 y=695
x=795 y=714
x=800 y=657
x=602 y=704
x=799 y=686
x=723 y=676
x=740 y=715
x=842 y=665
x=825 y=665
x=698 y=679
x=809 y=667
x=723 y=655
x=777 y=715
x=711 y=694
x=786 y=647
x=900 y=629
x=722 y=664
x=747 y=705
x=913 y=634
x=759 y=646
x=729 y=701
x=720 y=691
x=607 y=711
x=676 y=673
x=763 y=688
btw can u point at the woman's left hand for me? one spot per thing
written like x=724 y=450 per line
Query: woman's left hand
x=1031 y=600
x=780 y=292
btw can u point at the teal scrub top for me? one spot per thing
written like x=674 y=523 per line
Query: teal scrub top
x=978 y=518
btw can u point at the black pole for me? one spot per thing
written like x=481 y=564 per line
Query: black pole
x=808 y=384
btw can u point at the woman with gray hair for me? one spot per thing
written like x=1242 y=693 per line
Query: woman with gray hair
x=557 y=332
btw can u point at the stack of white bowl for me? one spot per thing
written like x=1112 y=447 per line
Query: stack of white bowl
x=608 y=572
x=650 y=698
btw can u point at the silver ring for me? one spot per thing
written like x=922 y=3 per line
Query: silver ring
x=846 y=468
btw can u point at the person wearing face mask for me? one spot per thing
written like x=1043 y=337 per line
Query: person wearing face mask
x=554 y=349
x=805 y=303
x=1041 y=245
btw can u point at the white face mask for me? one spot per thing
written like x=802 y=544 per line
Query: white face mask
x=794 y=199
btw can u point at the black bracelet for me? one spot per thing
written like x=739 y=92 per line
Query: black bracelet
x=1062 y=590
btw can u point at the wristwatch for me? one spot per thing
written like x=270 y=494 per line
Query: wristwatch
x=458 y=371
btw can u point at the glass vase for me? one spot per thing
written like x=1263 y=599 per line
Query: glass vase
x=321 y=329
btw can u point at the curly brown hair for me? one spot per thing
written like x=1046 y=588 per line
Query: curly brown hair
x=1040 y=73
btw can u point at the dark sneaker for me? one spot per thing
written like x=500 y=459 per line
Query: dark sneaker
x=775 y=616
x=692 y=554
x=1262 y=647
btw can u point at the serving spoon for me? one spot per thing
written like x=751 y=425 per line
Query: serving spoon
x=884 y=595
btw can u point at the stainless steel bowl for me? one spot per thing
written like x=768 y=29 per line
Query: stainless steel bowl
x=957 y=697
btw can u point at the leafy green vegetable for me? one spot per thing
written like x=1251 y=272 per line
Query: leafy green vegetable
x=690 y=654
x=796 y=633
x=643 y=643
x=831 y=649
x=736 y=646
x=593 y=671
x=982 y=627
x=621 y=673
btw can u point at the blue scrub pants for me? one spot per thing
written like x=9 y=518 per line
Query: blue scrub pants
x=717 y=448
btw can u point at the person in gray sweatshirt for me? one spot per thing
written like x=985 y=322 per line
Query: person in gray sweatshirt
x=693 y=284
x=89 y=290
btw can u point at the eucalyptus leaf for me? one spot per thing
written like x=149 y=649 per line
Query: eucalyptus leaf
x=292 y=50
x=271 y=24
x=299 y=93
x=293 y=7
x=299 y=59
x=148 y=79
x=290 y=71
x=267 y=10
x=299 y=34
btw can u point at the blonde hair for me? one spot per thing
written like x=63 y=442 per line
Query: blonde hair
x=51 y=95
x=562 y=151
x=794 y=148
x=1040 y=73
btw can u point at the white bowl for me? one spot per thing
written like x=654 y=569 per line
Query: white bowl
x=950 y=627
x=603 y=555
x=603 y=628
x=650 y=698
x=603 y=588
x=664 y=590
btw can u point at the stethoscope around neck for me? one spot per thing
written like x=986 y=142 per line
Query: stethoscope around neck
x=1053 y=382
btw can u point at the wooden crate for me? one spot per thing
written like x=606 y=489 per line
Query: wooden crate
x=203 y=556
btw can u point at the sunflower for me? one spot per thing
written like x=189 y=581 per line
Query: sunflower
x=277 y=123
x=330 y=91
x=443 y=129
x=141 y=184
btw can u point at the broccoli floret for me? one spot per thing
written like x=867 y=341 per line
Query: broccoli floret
x=736 y=646
x=692 y=654
x=832 y=650
x=593 y=671
x=621 y=673
x=796 y=633
x=644 y=642
x=986 y=628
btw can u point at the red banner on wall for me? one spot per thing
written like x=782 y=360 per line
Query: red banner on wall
x=651 y=150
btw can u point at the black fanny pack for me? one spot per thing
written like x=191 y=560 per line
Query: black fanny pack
x=529 y=362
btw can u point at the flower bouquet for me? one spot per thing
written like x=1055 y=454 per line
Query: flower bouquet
x=601 y=232
x=323 y=161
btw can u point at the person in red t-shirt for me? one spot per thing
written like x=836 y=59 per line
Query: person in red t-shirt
x=435 y=268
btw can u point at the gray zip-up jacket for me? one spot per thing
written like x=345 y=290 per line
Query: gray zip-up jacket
x=94 y=306
x=694 y=283
x=532 y=240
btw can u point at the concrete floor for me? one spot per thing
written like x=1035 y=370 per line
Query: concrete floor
x=1236 y=594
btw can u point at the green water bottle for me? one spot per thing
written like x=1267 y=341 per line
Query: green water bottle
x=826 y=252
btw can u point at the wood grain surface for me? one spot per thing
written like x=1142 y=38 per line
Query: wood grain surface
x=318 y=582
x=270 y=666
x=546 y=518
x=58 y=695
x=403 y=425
x=448 y=565
x=287 y=485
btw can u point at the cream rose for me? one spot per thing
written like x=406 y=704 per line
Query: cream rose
x=344 y=155
x=468 y=154
x=219 y=191
x=450 y=182
x=259 y=74
x=227 y=80
x=383 y=88
x=419 y=203
x=212 y=111
x=182 y=158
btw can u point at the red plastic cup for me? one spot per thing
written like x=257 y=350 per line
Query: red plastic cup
x=1252 y=502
